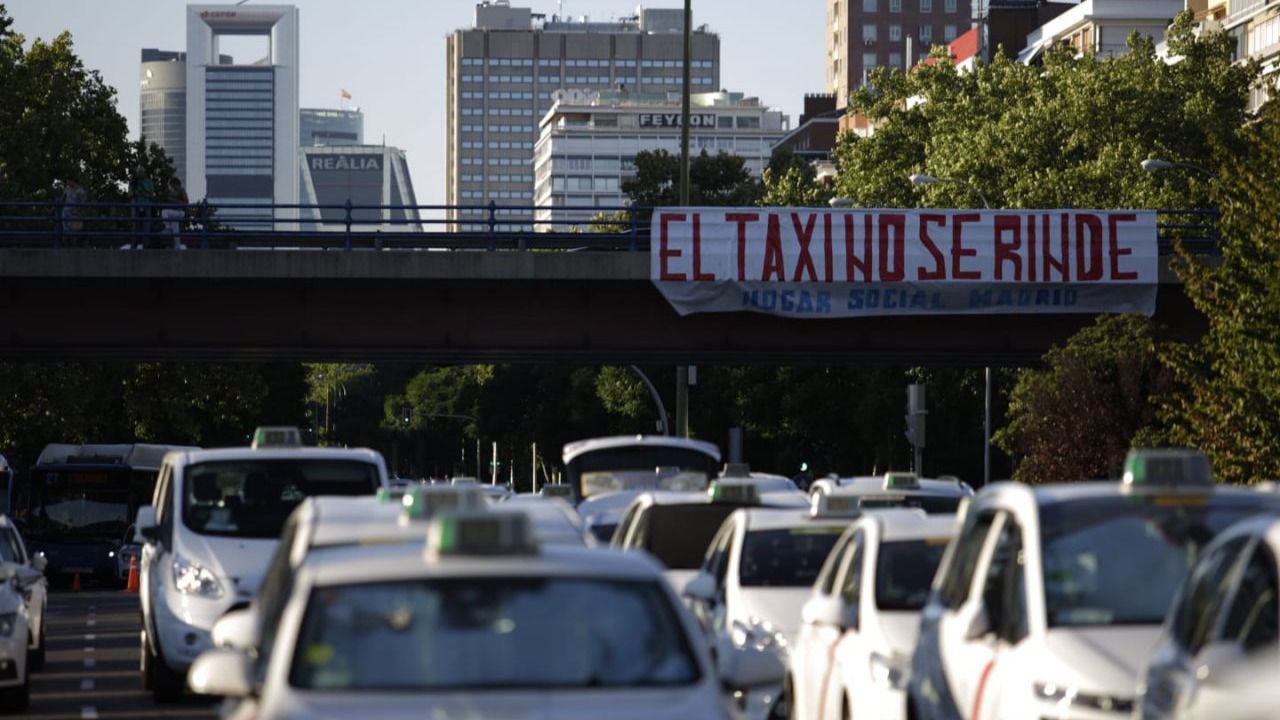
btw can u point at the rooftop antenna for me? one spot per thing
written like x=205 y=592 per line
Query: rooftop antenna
x=560 y=9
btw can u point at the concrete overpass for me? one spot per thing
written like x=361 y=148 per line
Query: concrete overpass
x=454 y=307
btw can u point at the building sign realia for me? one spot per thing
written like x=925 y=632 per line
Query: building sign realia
x=371 y=163
x=665 y=120
x=812 y=263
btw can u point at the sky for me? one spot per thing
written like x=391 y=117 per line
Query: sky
x=390 y=55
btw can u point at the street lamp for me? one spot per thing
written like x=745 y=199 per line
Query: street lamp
x=840 y=202
x=920 y=180
x=1155 y=165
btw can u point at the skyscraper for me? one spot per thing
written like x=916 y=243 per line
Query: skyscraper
x=501 y=74
x=865 y=34
x=162 y=104
x=242 y=120
x=330 y=127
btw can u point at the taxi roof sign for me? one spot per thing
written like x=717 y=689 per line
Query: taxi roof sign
x=901 y=481
x=480 y=533
x=732 y=491
x=1166 y=469
x=424 y=502
x=276 y=436
x=826 y=505
x=557 y=491
x=736 y=470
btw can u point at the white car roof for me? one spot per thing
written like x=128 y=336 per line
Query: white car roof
x=190 y=457
x=574 y=449
x=910 y=524
x=554 y=520
x=867 y=485
x=339 y=520
x=408 y=561
x=136 y=455
x=767 y=518
x=1062 y=492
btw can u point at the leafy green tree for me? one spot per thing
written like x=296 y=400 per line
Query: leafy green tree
x=790 y=181
x=720 y=179
x=1069 y=133
x=1228 y=399
x=1077 y=417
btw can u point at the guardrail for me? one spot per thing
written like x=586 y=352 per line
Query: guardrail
x=363 y=227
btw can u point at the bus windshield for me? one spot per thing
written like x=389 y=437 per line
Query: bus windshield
x=81 y=504
x=640 y=467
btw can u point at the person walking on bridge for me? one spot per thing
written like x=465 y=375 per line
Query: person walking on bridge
x=142 y=191
x=175 y=212
x=73 y=198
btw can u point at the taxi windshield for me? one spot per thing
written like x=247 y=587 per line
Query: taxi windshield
x=904 y=572
x=791 y=557
x=467 y=633
x=252 y=498
x=931 y=504
x=1086 y=582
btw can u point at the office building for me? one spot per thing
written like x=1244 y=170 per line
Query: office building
x=162 y=104
x=242 y=119
x=503 y=71
x=364 y=175
x=865 y=34
x=588 y=142
x=319 y=126
x=1256 y=26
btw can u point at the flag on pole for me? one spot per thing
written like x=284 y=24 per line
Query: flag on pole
x=345 y=95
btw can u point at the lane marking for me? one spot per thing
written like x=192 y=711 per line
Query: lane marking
x=91 y=622
x=88 y=712
x=89 y=637
x=90 y=662
x=86 y=684
x=88 y=649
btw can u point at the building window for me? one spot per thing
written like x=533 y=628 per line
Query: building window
x=870 y=6
x=868 y=62
x=895 y=6
x=869 y=34
x=895 y=60
x=926 y=33
x=895 y=33
x=948 y=33
x=951 y=6
x=926 y=6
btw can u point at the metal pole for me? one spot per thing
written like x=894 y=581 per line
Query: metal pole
x=533 y=469
x=986 y=429
x=682 y=371
x=493 y=465
x=657 y=399
x=479 y=467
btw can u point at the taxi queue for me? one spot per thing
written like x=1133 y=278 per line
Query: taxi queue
x=1152 y=596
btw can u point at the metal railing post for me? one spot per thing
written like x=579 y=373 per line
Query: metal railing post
x=493 y=222
x=57 y=219
x=204 y=224
x=347 y=244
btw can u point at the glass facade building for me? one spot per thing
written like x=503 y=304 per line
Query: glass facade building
x=319 y=126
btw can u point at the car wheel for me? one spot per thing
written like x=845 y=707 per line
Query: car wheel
x=165 y=685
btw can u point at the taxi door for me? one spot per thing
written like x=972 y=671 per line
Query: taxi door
x=967 y=641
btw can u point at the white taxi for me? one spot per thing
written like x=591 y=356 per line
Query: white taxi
x=30 y=581
x=1049 y=601
x=860 y=621
x=897 y=489
x=213 y=524
x=756 y=576
x=15 y=672
x=483 y=622
x=1220 y=645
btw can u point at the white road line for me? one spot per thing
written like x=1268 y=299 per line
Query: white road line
x=90 y=662
x=88 y=712
x=88 y=649
x=91 y=622
x=89 y=637
x=86 y=684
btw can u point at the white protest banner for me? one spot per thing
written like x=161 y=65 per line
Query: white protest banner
x=815 y=263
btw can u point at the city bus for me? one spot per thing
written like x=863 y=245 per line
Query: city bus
x=604 y=474
x=77 y=501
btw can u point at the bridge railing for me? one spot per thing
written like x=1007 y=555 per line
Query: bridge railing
x=351 y=226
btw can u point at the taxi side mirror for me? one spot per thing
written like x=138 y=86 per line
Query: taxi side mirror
x=237 y=630
x=40 y=561
x=221 y=672
x=145 y=528
x=701 y=587
x=742 y=668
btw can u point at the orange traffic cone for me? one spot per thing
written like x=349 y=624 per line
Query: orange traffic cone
x=75 y=583
x=132 y=584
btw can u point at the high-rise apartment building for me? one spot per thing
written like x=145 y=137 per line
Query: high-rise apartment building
x=319 y=126
x=865 y=34
x=242 y=119
x=502 y=73
x=1256 y=26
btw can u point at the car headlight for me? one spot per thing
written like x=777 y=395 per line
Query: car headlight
x=757 y=633
x=1064 y=697
x=7 y=623
x=888 y=671
x=192 y=579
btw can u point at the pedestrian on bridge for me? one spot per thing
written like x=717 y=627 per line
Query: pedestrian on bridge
x=73 y=199
x=142 y=192
x=175 y=212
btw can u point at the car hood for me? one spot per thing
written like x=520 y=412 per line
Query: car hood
x=1098 y=659
x=240 y=560
x=608 y=507
x=698 y=702
x=780 y=607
